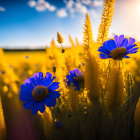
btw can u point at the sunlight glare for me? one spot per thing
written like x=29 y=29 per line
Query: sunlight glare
x=138 y=9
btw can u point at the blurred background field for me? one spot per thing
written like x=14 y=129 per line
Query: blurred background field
x=35 y=57
x=39 y=58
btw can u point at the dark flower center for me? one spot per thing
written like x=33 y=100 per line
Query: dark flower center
x=118 y=53
x=40 y=93
x=80 y=80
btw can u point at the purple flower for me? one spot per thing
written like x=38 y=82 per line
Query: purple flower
x=76 y=79
x=118 y=48
x=37 y=92
x=26 y=57
x=58 y=124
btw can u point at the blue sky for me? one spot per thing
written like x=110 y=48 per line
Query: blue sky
x=34 y=23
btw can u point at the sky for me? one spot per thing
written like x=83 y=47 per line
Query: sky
x=33 y=23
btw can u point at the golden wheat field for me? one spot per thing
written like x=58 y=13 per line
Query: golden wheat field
x=85 y=91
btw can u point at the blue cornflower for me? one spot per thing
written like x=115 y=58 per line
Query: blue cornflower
x=76 y=78
x=37 y=92
x=118 y=48
x=58 y=124
x=3 y=72
x=83 y=64
x=26 y=57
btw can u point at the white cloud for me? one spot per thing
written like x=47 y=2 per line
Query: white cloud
x=69 y=4
x=97 y=3
x=42 y=5
x=2 y=9
x=71 y=7
x=92 y=3
x=80 y=8
x=40 y=8
x=32 y=3
x=62 y=13
x=75 y=7
x=87 y=2
x=52 y=8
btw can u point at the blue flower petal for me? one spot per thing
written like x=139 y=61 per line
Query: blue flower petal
x=135 y=51
x=131 y=41
x=126 y=56
x=68 y=82
x=77 y=71
x=121 y=38
x=48 y=79
x=25 y=92
x=29 y=104
x=27 y=87
x=130 y=47
x=27 y=81
x=50 y=102
x=41 y=106
x=75 y=84
x=38 y=106
x=54 y=86
x=116 y=38
x=104 y=50
x=35 y=108
x=69 y=78
x=124 y=43
x=25 y=96
x=111 y=45
x=33 y=81
x=73 y=73
x=48 y=75
x=132 y=50
x=105 y=44
x=39 y=78
x=54 y=94
x=103 y=56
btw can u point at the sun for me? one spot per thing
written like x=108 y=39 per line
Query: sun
x=138 y=9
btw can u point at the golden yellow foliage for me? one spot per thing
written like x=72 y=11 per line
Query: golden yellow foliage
x=73 y=99
x=114 y=90
x=106 y=20
x=2 y=123
x=71 y=41
x=88 y=37
x=47 y=122
x=92 y=69
x=59 y=38
x=137 y=119
x=77 y=42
